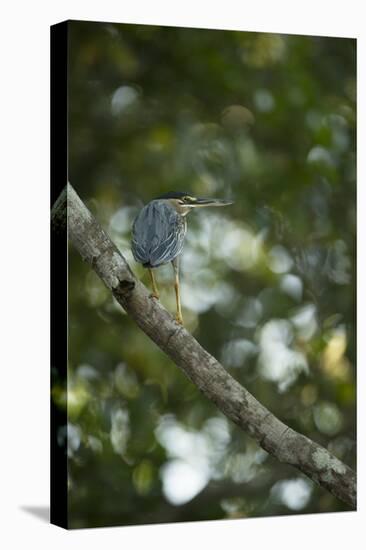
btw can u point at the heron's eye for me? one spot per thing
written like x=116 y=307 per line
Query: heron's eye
x=189 y=199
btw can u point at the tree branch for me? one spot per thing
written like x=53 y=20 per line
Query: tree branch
x=284 y=443
x=59 y=212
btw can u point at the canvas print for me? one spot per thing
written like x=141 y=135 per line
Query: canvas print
x=203 y=274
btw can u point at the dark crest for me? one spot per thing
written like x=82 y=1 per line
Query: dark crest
x=172 y=195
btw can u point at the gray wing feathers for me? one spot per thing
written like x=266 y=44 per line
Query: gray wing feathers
x=157 y=234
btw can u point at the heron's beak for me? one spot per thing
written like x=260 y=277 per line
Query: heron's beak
x=201 y=202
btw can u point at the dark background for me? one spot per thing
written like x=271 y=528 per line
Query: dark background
x=268 y=284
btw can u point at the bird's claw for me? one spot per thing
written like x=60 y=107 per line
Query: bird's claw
x=154 y=295
x=179 y=319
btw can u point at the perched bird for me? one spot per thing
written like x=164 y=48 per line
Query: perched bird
x=158 y=234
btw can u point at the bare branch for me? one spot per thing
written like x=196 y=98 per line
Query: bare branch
x=284 y=443
x=59 y=212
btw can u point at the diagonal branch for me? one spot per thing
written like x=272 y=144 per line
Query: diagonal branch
x=284 y=443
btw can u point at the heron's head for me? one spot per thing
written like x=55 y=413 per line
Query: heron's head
x=184 y=202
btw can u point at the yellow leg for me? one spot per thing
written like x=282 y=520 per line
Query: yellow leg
x=178 y=317
x=155 y=292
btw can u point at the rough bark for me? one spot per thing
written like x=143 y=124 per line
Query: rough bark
x=284 y=443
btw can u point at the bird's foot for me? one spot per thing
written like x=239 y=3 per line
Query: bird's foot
x=179 y=319
x=155 y=295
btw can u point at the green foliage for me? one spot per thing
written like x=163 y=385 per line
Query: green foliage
x=267 y=284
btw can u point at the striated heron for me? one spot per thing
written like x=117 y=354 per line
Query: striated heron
x=158 y=234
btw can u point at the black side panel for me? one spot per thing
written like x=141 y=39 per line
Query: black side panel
x=59 y=41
